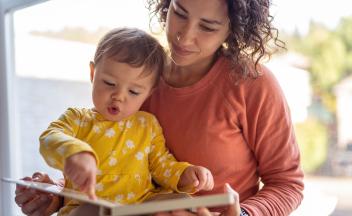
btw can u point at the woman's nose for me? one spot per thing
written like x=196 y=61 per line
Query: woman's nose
x=186 y=35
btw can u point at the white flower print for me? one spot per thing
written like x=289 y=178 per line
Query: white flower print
x=121 y=124
x=153 y=134
x=138 y=178
x=115 y=178
x=167 y=173
x=80 y=123
x=161 y=159
x=139 y=155
x=130 y=195
x=61 y=138
x=154 y=120
x=61 y=129
x=96 y=129
x=47 y=141
x=61 y=150
x=51 y=161
x=99 y=172
x=142 y=121
x=147 y=150
x=119 y=198
x=99 y=187
x=110 y=132
x=128 y=124
x=130 y=144
x=77 y=122
x=112 y=161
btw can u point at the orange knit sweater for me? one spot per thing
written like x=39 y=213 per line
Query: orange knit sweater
x=242 y=132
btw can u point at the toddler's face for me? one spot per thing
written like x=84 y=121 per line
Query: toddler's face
x=119 y=90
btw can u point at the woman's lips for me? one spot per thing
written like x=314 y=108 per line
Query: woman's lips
x=113 y=110
x=181 y=51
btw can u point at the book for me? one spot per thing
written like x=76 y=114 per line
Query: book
x=108 y=208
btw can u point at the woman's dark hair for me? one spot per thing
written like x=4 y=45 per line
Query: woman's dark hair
x=250 y=32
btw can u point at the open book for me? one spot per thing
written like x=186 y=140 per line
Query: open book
x=108 y=208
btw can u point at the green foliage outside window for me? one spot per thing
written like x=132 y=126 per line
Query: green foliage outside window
x=312 y=139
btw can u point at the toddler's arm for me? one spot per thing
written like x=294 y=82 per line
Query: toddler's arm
x=81 y=169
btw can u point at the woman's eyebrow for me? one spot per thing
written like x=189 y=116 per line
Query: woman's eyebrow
x=180 y=6
x=209 y=21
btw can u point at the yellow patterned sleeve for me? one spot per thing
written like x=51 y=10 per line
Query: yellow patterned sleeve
x=59 y=141
x=165 y=169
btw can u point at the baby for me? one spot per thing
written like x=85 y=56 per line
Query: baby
x=114 y=151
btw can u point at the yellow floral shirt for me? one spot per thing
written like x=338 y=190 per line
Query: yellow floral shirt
x=130 y=153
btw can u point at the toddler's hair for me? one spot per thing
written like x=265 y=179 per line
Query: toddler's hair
x=134 y=47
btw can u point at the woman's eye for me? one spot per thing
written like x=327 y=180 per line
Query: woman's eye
x=180 y=15
x=109 y=83
x=207 y=29
x=134 y=92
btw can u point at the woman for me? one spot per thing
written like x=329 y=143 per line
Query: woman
x=220 y=108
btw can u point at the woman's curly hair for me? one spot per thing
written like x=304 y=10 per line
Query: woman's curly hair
x=250 y=32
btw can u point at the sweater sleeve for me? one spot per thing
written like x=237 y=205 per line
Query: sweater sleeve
x=166 y=171
x=59 y=141
x=269 y=132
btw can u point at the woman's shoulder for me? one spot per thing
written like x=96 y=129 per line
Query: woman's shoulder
x=263 y=81
x=245 y=90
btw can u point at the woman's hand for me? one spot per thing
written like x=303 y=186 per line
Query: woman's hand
x=232 y=210
x=36 y=203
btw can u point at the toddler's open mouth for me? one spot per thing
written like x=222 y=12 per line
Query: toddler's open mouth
x=113 y=110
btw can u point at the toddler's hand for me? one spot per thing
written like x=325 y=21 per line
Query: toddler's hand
x=196 y=178
x=81 y=169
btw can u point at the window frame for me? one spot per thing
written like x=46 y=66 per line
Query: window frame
x=9 y=156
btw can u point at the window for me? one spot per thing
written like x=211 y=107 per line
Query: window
x=52 y=47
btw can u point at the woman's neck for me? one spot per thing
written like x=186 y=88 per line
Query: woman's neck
x=182 y=76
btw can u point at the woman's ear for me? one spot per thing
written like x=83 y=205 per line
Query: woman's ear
x=92 y=69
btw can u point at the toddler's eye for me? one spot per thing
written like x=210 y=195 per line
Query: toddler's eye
x=134 y=92
x=109 y=83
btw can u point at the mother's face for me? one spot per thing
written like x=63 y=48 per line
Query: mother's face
x=196 y=29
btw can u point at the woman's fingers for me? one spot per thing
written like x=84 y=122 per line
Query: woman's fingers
x=25 y=196
x=20 y=188
x=233 y=209
x=203 y=212
x=33 y=205
x=41 y=211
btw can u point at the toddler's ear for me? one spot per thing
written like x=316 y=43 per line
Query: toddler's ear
x=151 y=91
x=92 y=69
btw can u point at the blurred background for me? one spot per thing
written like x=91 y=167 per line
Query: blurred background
x=53 y=42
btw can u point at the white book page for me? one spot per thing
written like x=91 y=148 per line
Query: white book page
x=73 y=194
x=133 y=209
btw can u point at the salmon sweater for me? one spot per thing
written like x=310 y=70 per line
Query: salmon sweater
x=241 y=131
